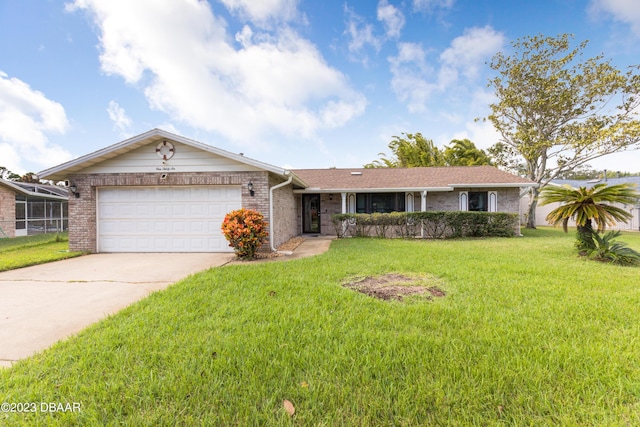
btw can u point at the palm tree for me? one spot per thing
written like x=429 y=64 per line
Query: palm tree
x=588 y=205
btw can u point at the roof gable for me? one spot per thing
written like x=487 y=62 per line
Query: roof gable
x=185 y=158
x=138 y=154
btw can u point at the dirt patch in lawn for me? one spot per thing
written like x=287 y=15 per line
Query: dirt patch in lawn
x=265 y=254
x=395 y=286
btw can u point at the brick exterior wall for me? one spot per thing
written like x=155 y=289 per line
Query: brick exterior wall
x=508 y=201
x=7 y=212
x=83 y=210
x=287 y=206
x=329 y=204
x=284 y=212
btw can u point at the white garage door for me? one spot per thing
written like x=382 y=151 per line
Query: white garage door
x=164 y=219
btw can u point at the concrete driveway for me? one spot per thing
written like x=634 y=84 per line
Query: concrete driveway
x=43 y=304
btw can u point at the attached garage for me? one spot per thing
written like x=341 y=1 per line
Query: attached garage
x=164 y=219
x=160 y=192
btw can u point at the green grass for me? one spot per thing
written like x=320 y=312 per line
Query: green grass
x=528 y=334
x=30 y=250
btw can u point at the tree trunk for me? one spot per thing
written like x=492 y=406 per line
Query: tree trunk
x=533 y=203
x=585 y=241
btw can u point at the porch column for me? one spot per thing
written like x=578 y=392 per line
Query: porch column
x=423 y=208
x=344 y=202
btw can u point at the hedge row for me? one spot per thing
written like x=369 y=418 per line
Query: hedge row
x=432 y=224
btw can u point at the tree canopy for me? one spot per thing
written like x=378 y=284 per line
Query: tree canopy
x=463 y=152
x=414 y=150
x=556 y=111
x=8 y=175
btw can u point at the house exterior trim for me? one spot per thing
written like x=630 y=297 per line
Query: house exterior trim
x=370 y=190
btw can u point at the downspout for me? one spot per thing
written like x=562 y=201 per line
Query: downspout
x=271 y=221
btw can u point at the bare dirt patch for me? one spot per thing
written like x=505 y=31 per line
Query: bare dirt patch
x=291 y=244
x=395 y=286
x=265 y=255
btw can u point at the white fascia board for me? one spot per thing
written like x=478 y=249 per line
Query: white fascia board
x=373 y=190
x=496 y=185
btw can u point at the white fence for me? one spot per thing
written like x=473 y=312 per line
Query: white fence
x=542 y=211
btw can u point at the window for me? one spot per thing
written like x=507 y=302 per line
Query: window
x=478 y=201
x=380 y=202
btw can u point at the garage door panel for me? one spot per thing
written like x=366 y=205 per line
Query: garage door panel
x=199 y=227
x=144 y=211
x=181 y=211
x=164 y=219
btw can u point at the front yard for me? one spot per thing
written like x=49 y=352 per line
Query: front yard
x=525 y=334
x=30 y=250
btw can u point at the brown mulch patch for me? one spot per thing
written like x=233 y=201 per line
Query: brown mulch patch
x=289 y=245
x=394 y=286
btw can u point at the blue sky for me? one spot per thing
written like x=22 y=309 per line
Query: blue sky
x=294 y=83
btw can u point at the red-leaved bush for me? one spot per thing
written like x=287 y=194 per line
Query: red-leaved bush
x=245 y=230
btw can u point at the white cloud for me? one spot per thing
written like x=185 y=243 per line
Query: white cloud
x=10 y=159
x=410 y=76
x=263 y=11
x=169 y=128
x=274 y=83
x=468 y=53
x=392 y=19
x=26 y=118
x=414 y=80
x=627 y=11
x=120 y=119
x=482 y=134
x=361 y=35
x=432 y=5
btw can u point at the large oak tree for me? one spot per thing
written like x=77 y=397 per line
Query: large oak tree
x=556 y=110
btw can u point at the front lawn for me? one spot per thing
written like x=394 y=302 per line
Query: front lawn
x=30 y=250
x=527 y=334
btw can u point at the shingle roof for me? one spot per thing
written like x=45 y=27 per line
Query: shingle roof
x=423 y=178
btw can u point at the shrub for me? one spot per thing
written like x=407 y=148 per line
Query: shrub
x=363 y=224
x=245 y=230
x=432 y=224
x=381 y=224
x=606 y=249
x=340 y=225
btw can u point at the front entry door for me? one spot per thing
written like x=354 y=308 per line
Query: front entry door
x=311 y=213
